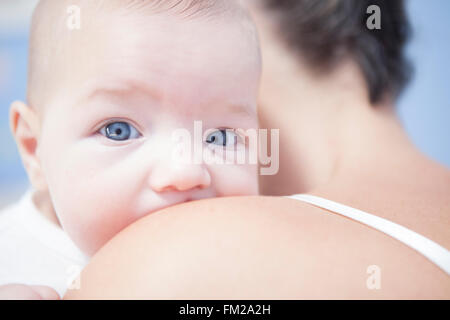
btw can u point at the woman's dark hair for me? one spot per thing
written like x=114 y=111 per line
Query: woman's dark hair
x=325 y=31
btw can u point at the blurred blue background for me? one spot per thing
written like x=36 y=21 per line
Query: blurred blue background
x=424 y=108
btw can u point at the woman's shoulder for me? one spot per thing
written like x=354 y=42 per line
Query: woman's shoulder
x=256 y=248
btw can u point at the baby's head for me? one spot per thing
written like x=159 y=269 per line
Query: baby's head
x=104 y=101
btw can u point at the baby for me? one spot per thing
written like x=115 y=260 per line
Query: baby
x=110 y=81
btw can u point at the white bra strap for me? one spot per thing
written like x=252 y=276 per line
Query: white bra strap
x=431 y=250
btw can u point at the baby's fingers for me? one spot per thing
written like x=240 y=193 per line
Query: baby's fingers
x=24 y=292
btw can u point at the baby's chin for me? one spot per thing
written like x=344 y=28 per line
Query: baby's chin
x=92 y=247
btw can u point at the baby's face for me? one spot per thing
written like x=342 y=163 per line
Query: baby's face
x=106 y=145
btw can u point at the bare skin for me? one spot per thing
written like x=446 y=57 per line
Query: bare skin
x=24 y=292
x=333 y=144
x=255 y=248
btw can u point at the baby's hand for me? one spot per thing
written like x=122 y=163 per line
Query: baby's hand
x=24 y=292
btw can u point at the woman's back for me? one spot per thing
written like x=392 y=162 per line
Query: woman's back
x=414 y=196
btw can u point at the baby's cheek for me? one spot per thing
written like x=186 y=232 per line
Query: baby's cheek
x=95 y=220
x=234 y=180
x=92 y=207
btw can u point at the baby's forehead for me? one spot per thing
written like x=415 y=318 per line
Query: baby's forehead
x=54 y=48
x=54 y=20
x=136 y=92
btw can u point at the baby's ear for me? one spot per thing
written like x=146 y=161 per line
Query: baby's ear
x=24 y=124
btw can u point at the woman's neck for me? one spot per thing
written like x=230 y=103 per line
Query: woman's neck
x=329 y=130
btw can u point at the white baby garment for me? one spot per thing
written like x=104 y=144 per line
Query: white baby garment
x=34 y=251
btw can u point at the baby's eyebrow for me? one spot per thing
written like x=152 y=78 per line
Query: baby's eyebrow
x=242 y=109
x=105 y=88
x=109 y=88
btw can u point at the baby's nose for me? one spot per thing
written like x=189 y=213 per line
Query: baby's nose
x=172 y=176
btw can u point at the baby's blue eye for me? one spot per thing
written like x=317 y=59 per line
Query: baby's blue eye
x=119 y=131
x=222 y=137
